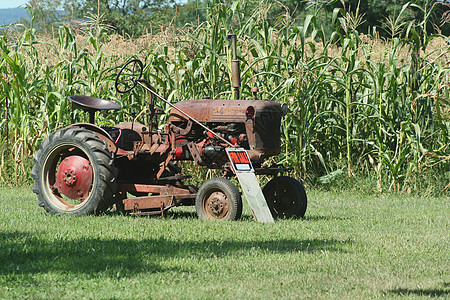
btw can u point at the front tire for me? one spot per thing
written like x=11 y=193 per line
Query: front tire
x=288 y=201
x=73 y=173
x=218 y=199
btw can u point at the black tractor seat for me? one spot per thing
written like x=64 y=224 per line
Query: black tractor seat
x=92 y=104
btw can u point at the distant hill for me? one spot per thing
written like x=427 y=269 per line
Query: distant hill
x=12 y=15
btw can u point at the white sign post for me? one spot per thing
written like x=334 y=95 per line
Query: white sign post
x=245 y=173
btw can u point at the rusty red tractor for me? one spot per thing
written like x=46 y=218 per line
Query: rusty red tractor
x=86 y=169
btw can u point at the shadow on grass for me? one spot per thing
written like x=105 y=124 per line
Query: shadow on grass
x=431 y=292
x=246 y=217
x=28 y=254
x=324 y=218
x=181 y=213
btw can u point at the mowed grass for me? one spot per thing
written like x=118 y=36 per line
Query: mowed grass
x=348 y=246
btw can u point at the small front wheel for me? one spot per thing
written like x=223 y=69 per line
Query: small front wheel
x=218 y=198
x=286 y=197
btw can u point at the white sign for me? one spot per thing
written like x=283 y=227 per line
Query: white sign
x=245 y=173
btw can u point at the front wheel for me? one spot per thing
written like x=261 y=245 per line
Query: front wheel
x=286 y=197
x=218 y=198
x=73 y=173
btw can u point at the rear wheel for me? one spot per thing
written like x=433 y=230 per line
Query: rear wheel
x=218 y=198
x=286 y=197
x=73 y=173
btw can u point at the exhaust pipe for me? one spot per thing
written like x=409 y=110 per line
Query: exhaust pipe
x=235 y=69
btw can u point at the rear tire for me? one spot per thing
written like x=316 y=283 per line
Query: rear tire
x=289 y=201
x=74 y=173
x=218 y=199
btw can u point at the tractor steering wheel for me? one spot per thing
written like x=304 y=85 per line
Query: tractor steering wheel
x=128 y=76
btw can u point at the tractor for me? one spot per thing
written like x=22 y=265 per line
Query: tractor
x=87 y=169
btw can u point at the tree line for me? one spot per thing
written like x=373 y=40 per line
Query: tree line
x=137 y=17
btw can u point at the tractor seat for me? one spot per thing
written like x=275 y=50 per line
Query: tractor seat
x=93 y=104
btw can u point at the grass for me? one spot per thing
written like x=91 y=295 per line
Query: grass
x=348 y=245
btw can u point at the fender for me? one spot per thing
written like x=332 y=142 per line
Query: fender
x=101 y=133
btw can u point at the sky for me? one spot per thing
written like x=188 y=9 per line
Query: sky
x=12 y=3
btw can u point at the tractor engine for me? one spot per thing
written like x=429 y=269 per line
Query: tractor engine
x=250 y=124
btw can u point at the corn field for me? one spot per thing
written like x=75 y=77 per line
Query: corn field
x=358 y=105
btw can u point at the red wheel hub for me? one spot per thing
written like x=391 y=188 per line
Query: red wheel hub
x=74 y=177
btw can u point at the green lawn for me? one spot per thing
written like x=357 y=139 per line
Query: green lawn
x=348 y=246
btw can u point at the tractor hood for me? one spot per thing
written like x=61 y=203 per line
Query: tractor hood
x=208 y=110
